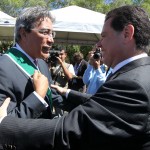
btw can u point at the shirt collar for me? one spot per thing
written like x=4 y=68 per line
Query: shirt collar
x=123 y=63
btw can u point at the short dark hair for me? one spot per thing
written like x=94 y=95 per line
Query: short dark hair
x=78 y=55
x=63 y=48
x=136 y=16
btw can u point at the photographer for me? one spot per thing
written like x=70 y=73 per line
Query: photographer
x=95 y=74
x=61 y=71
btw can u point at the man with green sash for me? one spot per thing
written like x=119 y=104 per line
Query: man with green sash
x=33 y=40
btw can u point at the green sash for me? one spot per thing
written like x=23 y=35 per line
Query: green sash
x=25 y=65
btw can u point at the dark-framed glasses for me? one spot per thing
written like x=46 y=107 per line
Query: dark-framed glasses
x=46 y=32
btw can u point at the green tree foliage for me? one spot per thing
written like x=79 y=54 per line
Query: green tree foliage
x=10 y=6
x=118 y=3
x=5 y=45
x=143 y=3
x=71 y=49
x=146 y=6
x=13 y=7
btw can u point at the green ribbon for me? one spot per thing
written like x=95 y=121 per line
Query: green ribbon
x=23 y=61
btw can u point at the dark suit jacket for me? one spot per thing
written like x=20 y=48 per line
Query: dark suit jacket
x=117 y=117
x=79 y=82
x=18 y=86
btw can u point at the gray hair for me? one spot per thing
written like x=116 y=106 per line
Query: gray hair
x=29 y=18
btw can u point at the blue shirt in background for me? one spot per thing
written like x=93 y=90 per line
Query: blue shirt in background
x=94 y=78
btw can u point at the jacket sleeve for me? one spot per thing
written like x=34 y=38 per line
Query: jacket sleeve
x=29 y=107
x=23 y=134
x=107 y=120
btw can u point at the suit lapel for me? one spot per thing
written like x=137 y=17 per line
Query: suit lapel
x=130 y=66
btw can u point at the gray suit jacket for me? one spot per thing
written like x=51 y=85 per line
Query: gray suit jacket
x=116 y=117
x=18 y=86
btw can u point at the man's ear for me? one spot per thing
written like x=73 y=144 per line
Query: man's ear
x=128 y=32
x=22 y=32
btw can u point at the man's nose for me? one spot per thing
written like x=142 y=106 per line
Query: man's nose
x=99 y=45
x=50 y=39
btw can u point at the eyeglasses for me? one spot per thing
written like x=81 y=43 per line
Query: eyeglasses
x=46 y=32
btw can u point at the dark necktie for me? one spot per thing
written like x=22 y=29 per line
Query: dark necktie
x=36 y=62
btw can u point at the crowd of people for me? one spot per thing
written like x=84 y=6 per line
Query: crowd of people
x=107 y=108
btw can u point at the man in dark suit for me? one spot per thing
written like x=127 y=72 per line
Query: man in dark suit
x=80 y=66
x=118 y=115
x=33 y=40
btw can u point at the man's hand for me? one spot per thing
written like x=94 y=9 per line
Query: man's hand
x=96 y=63
x=59 y=60
x=3 y=108
x=40 y=83
x=61 y=90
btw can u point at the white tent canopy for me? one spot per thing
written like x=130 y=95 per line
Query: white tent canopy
x=77 y=25
x=6 y=26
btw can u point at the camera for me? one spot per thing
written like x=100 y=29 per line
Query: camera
x=53 y=57
x=97 y=54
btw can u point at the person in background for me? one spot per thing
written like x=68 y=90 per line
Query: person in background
x=33 y=40
x=62 y=73
x=80 y=66
x=95 y=74
x=117 y=117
